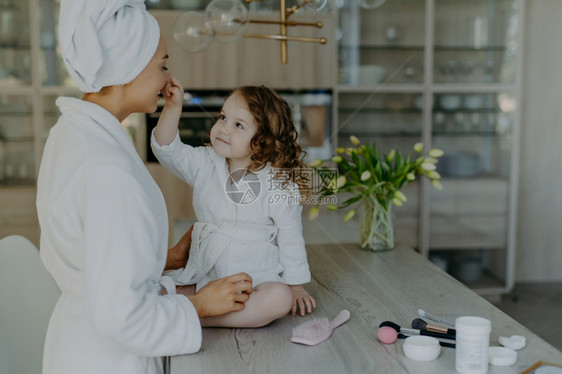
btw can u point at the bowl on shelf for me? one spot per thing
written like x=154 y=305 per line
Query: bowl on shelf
x=450 y=102
x=473 y=101
x=363 y=75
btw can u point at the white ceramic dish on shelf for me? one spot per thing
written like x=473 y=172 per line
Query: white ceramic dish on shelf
x=450 y=102
x=363 y=75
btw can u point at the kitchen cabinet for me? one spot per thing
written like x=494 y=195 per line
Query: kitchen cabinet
x=446 y=73
x=32 y=76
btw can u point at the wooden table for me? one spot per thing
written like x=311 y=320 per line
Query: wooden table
x=374 y=287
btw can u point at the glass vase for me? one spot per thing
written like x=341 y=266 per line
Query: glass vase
x=377 y=228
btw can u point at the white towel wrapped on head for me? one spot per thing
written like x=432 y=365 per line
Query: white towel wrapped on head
x=106 y=42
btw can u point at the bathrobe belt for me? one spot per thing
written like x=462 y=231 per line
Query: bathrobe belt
x=208 y=244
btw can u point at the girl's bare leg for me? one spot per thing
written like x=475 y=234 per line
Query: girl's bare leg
x=268 y=302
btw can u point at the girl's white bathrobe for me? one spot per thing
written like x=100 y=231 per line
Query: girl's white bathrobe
x=104 y=234
x=261 y=235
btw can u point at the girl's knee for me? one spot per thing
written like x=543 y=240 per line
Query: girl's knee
x=279 y=298
x=284 y=298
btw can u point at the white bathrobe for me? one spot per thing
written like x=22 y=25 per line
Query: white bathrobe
x=262 y=238
x=104 y=233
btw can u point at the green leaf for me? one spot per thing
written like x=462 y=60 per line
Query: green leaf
x=399 y=161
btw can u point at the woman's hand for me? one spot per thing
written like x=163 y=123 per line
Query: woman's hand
x=222 y=296
x=178 y=254
x=302 y=299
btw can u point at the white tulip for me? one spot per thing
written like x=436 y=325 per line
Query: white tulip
x=437 y=184
x=313 y=214
x=434 y=175
x=315 y=163
x=349 y=215
x=399 y=195
x=436 y=152
x=427 y=166
x=341 y=181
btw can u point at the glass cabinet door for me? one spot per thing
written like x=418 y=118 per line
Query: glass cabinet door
x=16 y=140
x=469 y=217
x=15 y=54
x=475 y=41
x=381 y=45
x=53 y=71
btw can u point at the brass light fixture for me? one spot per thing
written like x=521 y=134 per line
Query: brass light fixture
x=226 y=21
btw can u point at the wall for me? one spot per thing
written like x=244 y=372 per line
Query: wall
x=539 y=240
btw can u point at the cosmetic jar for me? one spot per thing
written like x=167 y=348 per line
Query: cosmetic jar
x=501 y=356
x=473 y=341
x=421 y=348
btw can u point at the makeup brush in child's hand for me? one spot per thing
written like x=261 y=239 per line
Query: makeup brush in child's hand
x=318 y=330
x=420 y=324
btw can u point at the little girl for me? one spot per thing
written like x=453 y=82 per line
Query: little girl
x=247 y=201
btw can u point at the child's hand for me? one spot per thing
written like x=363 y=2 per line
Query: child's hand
x=303 y=299
x=173 y=93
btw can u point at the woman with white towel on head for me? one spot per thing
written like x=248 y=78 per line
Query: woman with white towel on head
x=104 y=228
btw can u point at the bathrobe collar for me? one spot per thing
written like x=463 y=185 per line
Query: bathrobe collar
x=78 y=110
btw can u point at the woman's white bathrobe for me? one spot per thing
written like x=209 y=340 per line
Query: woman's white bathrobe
x=262 y=237
x=104 y=234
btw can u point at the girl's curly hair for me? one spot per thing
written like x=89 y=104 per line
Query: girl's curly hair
x=275 y=140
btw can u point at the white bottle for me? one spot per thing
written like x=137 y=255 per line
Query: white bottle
x=473 y=341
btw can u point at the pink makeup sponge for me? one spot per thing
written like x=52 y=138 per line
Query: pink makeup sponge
x=387 y=335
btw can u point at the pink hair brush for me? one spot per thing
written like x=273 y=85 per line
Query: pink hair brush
x=318 y=330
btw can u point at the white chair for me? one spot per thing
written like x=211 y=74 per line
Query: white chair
x=28 y=295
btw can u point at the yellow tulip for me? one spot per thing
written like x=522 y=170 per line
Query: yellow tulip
x=365 y=175
x=354 y=140
x=397 y=201
x=340 y=150
x=391 y=155
x=411 y=176
x=313 y=214
x=418 y=147
x=349 y=215
x=337 y=159
x=332 y=207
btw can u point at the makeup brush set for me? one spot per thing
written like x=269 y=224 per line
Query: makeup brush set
x=424 y=340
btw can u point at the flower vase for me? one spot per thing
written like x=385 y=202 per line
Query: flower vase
x=377 y=228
